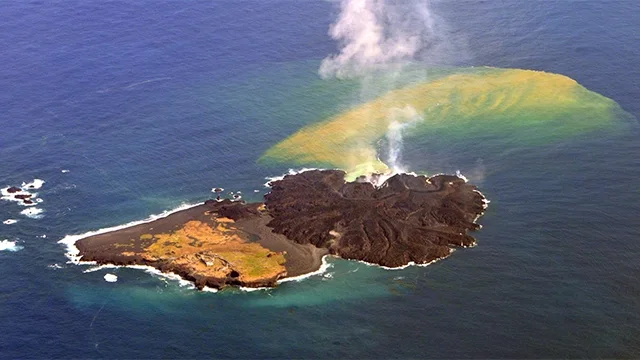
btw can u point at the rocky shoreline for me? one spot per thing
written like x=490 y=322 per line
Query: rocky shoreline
x=406 y=219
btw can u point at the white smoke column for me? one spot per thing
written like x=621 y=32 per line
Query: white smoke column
x=387 y=35
x=394 y=137
x=401 y=120
x=376 y=34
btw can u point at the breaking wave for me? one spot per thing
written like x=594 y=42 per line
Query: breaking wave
x=6 y=245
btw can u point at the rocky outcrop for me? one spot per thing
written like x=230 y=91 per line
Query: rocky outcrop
x=406 y=219
x=234 y=210
x=185 y=270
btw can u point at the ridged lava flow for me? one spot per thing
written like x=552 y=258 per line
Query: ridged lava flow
x=407 y=219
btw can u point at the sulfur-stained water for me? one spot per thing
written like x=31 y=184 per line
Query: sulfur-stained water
x=525 y=106
x=120 y=111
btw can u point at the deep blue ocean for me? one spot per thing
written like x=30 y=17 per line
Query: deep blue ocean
x=147 y=105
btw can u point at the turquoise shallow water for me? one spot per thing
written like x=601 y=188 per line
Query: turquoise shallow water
x=149 y=119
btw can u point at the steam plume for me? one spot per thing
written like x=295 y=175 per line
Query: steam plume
x=401 y=120
x=377 y=34
x=381 y=35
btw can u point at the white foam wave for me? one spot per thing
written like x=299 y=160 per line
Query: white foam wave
x=64 y=171
x=252 y=289
x=485 y=205
x=170 y=276
x=290 y=172
x=411 y=263
x=35 y=184
x=323 y=268
x=7 y=196
x=100 y=267
x=328 y=275
x=459 y=174
x=148 y=269
x=110 y=278
x=9 y=221
x=33 y=212
x=6 y=245
x=70 y=240
x=209 y=289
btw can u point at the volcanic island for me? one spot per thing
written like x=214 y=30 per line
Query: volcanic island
x=407 y=219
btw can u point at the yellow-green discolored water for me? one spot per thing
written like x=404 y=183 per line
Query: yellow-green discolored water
x=521 y=105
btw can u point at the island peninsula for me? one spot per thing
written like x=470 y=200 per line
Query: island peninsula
x=407 y=219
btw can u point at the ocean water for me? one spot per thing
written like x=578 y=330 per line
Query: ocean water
x=130 y=109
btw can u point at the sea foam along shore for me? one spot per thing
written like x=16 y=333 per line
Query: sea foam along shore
x=73 y=252
x=323 y=268
x=410 y=263
x=74 y=258
x=7 y=196
x=148 y=269
x=290 y=172
x=70 y=240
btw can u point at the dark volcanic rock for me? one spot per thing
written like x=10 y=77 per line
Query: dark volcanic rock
x=232 y=209
x=407 y=219
x=22 y=196
x=13 y=189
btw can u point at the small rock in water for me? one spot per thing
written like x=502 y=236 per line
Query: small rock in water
x=13 y=189
x=9 y=221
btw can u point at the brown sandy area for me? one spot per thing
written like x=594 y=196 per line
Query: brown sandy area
x=209 y=249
